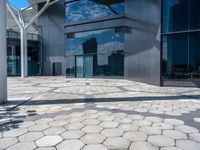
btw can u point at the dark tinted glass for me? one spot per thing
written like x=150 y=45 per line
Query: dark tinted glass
x=194 y=55
x=195 y=14
x=84 y=10
x=175 y=56
x=175 y=15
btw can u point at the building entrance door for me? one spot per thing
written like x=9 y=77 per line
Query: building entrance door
x=84 y=66
x=57 y=69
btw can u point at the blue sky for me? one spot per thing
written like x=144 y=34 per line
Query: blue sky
x=19 y=3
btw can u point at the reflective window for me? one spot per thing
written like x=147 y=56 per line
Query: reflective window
x=175 y=15
x=106 y=48
x=194 y=14
x=84 y=10
x=181 y=56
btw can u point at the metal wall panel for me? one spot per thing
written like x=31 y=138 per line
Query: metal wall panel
x=142 y=40
x=53 y=38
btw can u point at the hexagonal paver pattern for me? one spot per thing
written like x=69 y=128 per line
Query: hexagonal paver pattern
x=150 y=130
x=74 y=126
x=161 y=141
x=30 y=136
x=70 y=145
x=54 y=130
x=91 y=122
x=186 y=129
x=92 y=129
x=58 y=123
x=23 y=146
x=112 y=132
x=175 y=134
x=38 y=127
x=135 y=136
x=48 y=141
x=14 y=132
x=174 y=121
x=117 y=143
x=44 y=120
x=143 y=146
x=187 y=145
x=6 y=142
x=128 y=127
x=109 y=124
x=73 y=134
x=195 y=137
x=93 y=138
x=95 y=147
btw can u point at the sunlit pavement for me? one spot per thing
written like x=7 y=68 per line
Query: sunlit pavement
x=97 y=114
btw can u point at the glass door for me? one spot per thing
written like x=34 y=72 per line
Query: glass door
x=79 y=67
x=88 y=65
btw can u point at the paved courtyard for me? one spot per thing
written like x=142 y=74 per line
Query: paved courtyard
x=57 y=113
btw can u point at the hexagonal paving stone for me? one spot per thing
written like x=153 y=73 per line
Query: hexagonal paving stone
x=123 y=120
x=135 y=117
x=93 y=138
x=73 y=134
x=6 y=142
x=76 y=119
x=197 y=120
x=150 y=130
x=54 y=130
x=38 y=127
x=143 y=146
x=46 y=148
x=77 y=114
x=117 y=143
x=48 y=141
x=135 y=136
x=91 y=122
x=109 y=124
x=15 y=132
x=30 y=136
x=195 y=137
x=174 y=134
x=163 y=126
x=58 y=123
x=161 y=140
x=44 y=121
x=95 y=147
x=74 y=126
x=70 y=145
x=92 y=129
x=187 y=145
x=186 y=129
x=119 y=115
x=154 y=119
x=112 y=132
x=106 y=118
x=128 y=127
x=170 y=148
x=92 y=116
x=26 y=124
x=23 y=146
x=142 y=123
x=174 y=121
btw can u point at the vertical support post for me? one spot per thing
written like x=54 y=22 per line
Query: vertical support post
x=24 y=54
x=14 y=64
x=3 y=53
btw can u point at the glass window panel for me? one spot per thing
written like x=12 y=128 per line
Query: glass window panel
x=175 y=56
x=84 y=10
x=175 y=15
x=194 y=55
x=194 y=14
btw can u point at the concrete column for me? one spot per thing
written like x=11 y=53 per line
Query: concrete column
x=3 y=53
x=24 y=54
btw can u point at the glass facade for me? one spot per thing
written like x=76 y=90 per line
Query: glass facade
x=95 y=53
x=180 y=39
x=14 y=61
x=84 y=10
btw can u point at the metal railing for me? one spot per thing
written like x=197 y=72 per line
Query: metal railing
x=16 y=35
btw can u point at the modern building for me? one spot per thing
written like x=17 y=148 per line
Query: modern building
x=151 y=41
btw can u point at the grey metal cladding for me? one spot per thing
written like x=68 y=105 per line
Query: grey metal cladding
x=142 y=41
x=52 y=32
